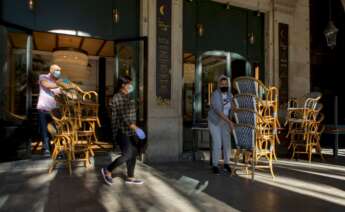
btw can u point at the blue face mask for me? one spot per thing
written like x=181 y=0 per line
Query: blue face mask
x=130 y=88
x=57 y=74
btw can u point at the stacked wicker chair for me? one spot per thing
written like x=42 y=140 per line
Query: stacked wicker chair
x=76 y=130
x=305 y=126
x=255 y=132
x=63 y=134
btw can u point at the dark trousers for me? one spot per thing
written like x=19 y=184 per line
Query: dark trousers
x=129 y=152
x=44 y=118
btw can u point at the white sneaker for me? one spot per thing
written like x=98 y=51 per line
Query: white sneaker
x=134 y=181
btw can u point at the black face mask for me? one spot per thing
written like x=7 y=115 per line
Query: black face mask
x=224 y=89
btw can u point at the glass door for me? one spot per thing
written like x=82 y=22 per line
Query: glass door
x=210 y=66
x=131 y=60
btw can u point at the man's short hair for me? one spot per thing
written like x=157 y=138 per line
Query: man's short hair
x=54 y=67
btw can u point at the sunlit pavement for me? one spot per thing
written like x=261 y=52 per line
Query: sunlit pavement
x=180 y=186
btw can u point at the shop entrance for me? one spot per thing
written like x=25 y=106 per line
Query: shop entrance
x=92 y=63
x=200 y=80
x=209 y=67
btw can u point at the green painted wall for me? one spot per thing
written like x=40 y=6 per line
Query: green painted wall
x=223 y=30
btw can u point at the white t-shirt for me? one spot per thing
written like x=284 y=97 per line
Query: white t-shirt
x=46 y=100
x=226 y=104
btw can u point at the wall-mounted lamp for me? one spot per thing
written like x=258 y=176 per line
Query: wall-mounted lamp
x=258 y=9
x=200 y=29
x=228 y=6
x=251 y=38
x=116 y=16
x=31 y=4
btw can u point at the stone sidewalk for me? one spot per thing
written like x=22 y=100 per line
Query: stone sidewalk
x=181 y=186
x=26 y=186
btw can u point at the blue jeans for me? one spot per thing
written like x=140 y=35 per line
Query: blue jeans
x=44 y=118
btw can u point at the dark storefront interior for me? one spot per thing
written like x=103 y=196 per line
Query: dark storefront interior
x=327 y=64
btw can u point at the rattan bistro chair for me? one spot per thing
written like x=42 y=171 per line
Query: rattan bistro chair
x=250 y=85
x=245 y=101
x=310 y=139
x=244 y=136
x=244 y=116
x=62 y=142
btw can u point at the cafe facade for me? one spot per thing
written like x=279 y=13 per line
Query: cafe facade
x=172 y=49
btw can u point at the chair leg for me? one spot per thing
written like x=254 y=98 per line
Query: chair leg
x=274 y=153
x=293 y=152
x=271 y=165
x=236 y=158
x=69 y=162
x=86 y=161
x=318 y=149
x=310 y=152
x=253 y=163
x=53 y=157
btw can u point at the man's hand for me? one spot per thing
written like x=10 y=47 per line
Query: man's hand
x=231 y=125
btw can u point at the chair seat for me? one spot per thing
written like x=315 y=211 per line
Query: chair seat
x=295 y=120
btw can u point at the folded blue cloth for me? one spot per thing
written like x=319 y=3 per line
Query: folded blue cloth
x=140 y=133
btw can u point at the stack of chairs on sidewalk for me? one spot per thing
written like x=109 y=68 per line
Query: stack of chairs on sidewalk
x=256 y=121
x=75 y=124
x=305 y=126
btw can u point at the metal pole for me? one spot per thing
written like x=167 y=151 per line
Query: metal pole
x=336 y=141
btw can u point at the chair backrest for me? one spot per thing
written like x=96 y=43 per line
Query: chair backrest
x=250 y=85
x=245 y=101
x=244 y=136
x=313 y=95
x=311 y=103
x=292 y=103
x=244 y=116
x=91 y=96
x=310 y=106
x=273 y=94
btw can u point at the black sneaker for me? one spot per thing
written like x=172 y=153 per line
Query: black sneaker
x=107 y=179
x=46 y=153
x=215 y=170
x=134 y=181
x=227 y=168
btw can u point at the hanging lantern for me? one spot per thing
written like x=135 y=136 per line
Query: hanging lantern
x=331 y=31
x=200 y=29
x=331 y=35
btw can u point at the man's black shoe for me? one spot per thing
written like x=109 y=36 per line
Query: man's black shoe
x=215 y=170
x=227 y=168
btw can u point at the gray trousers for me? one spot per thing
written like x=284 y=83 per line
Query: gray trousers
x=220 y=137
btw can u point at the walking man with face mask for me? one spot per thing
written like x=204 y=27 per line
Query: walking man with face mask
x=220 y=124
x=125 y=132
x=46 y=103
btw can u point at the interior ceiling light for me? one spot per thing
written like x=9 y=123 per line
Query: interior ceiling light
x=70 y=32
